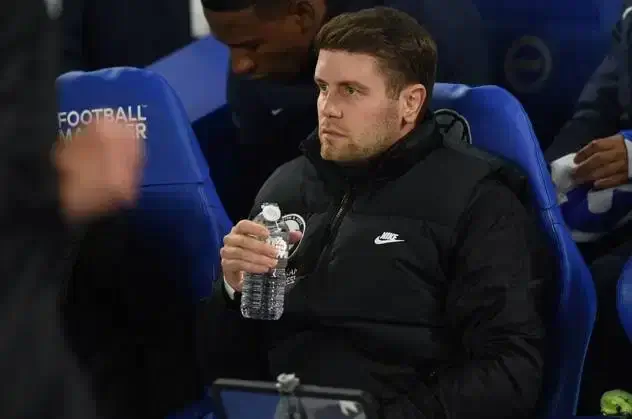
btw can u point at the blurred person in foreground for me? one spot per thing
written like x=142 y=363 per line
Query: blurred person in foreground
x=270 y=89
x=416 y=277
x=43 y=194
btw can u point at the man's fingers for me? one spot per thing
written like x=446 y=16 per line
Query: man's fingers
x=295 y=237
x=246 y=255
x=596 y=146
x=611 y=181
x=237 y=265
x=586 y=152
x=250 y=243
x=584 y=171
x=607 y=170
x=250 y=228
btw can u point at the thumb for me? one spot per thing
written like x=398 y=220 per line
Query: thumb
x=295 y=237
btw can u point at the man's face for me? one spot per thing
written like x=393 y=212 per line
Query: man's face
x=261 y=48
x=357 y=116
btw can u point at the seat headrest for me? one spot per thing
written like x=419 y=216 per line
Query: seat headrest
x=146 y=102
x=206 y=62
x=499 y=125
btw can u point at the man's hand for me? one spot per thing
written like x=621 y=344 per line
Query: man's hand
x=245 y=251
x=99 y=170
x=604 y=161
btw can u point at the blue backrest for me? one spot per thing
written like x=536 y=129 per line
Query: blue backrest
x=499 y=125
x=202 y=90
x=179 y=213
x=202 y=87
x=545 y=51
x=624 y=299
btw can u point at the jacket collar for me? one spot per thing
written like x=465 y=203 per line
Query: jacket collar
x=391 y=164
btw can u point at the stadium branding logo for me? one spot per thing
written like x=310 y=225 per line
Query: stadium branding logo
x=69 y=123
x=528 y=64
x=454 y=124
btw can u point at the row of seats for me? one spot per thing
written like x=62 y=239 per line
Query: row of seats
x=179 y=205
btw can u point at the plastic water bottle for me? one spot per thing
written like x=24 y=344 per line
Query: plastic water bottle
x=263 y=295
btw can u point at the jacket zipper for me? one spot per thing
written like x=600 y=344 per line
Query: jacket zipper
x=343 y=207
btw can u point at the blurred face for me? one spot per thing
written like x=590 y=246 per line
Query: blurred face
x=358 y=117
x=262 y=48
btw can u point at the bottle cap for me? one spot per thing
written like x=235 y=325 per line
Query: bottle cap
x=271 y=212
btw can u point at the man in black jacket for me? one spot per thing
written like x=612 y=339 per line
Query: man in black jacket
x=414 y=278
x=270 y=89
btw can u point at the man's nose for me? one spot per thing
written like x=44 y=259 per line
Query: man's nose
x=328 y=109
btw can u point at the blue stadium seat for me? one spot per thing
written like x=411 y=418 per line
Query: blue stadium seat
x=535 y=50
x=499 y=125
x=198 y=74
x=202 y=90
x=179 y=214
x=624 y=299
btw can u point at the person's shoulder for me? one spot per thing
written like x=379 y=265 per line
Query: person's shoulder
x=495 y=177
x=291 y=169
x=238 y=88
x=286 y=179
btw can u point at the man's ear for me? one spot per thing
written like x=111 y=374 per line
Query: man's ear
x=413 y=99
x=307 y=16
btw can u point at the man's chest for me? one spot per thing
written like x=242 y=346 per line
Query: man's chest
x=365 y=262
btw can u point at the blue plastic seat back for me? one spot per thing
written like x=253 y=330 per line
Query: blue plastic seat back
x=179 y=214
x=202 y=90
x=499 y=125
x=624 y=299
x=202 y=87
x=535 y=49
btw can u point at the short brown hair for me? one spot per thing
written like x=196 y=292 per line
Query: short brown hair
x=405 y=51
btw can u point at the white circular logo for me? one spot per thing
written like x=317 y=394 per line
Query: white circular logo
x=528 y=64
x=295 y=223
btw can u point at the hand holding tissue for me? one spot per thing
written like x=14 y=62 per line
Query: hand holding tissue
x=593 y=190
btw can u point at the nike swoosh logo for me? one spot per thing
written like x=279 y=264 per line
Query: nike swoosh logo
x=379 y=240
x=275 y=112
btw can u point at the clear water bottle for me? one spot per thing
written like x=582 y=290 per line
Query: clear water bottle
x=263 y=295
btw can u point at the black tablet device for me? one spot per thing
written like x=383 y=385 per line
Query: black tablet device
x=239 y=399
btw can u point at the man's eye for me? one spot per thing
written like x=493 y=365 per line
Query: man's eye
x=350 y=90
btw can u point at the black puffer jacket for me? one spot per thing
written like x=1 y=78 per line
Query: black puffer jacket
x=415 y=282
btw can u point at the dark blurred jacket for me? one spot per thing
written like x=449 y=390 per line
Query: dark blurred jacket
x=129 y=319
x=40 y=378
